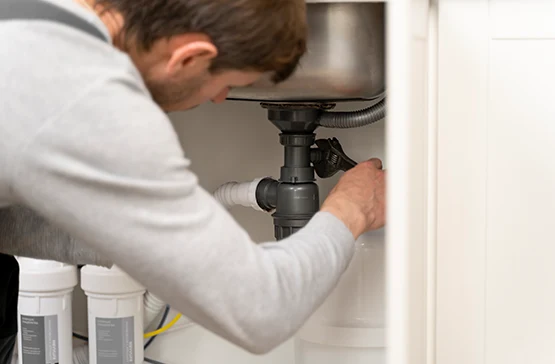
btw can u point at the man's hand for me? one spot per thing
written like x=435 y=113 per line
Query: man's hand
x=358 y=199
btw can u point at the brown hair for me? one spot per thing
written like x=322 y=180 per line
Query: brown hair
x=259 y=35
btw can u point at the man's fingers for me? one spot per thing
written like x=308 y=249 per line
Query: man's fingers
x=376 y=162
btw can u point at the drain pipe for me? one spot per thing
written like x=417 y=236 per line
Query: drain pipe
x=353 y=119
x=244 y=194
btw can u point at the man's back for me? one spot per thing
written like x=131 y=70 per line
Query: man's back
x=60 y=65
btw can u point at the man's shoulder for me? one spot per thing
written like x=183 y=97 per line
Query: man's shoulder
x=51 y=64
x=46 y=44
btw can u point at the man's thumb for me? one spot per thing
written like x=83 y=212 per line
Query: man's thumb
x=376 y=162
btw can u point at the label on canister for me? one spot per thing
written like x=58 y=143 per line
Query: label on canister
x=39 y=339
x=115 y=340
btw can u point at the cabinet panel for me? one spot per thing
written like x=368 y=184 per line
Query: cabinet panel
x=461 y=181
x=407 y=130
x=523 y=19
x=520 y=296
x=496 y=183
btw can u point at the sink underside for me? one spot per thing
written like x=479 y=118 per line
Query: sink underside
x=345 y=58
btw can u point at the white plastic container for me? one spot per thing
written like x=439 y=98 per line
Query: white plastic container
x=44 y=312
x=349 y=327
x=115 y=316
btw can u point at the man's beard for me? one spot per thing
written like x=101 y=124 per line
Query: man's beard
x=169 y=94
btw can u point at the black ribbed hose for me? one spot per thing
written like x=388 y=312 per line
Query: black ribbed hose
x=353 y=119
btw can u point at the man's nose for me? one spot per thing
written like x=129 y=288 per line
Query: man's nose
x=221 y=96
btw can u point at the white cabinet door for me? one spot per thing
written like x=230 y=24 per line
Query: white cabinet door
x=496 y=182
x=407 y=155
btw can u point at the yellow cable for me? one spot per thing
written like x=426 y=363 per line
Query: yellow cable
x=163 y=329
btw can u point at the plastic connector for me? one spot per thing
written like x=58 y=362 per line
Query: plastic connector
x=234 y=193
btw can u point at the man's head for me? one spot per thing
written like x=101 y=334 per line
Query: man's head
x=193 y=51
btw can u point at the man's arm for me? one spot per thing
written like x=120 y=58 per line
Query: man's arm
x=26 y=234
x=111 y=172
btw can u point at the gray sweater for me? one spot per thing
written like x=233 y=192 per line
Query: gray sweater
x=84 y=146
x=24 y=233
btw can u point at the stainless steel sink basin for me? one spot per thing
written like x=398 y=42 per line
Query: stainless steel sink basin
x=345 y=58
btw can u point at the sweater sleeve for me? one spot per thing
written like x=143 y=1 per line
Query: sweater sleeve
x=26 y=234
x=110 y=171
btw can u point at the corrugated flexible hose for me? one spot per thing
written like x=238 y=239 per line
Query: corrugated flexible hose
x=353 y=119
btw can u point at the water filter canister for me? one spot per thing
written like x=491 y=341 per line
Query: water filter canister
x=45 y=311
x=115 y=316
x=350 y=325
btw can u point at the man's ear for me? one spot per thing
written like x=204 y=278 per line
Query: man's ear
x=194 y=56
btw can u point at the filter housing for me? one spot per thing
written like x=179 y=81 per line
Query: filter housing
x=115 y=315
x=45 y=311
x=350 y=326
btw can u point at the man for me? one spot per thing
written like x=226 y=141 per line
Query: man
x=86 y=144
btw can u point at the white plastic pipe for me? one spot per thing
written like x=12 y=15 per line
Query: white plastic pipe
x=115 y=315
x=152 y=308
x=45 y=311
x=81 y=354
x=234 y=193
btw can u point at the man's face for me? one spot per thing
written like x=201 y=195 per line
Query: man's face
x=177 y=72
x=189 y=91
